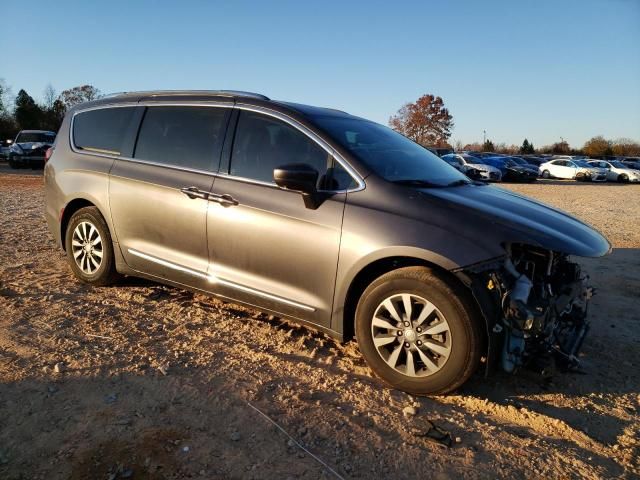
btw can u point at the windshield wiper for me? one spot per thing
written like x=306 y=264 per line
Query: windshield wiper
x=418 y=183
x=458 y=183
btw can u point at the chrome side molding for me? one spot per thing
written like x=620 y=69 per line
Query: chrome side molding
x=220 y=281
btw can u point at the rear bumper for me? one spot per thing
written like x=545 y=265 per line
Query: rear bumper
x=53 y=222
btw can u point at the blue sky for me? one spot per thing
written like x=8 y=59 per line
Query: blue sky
x=540 y=69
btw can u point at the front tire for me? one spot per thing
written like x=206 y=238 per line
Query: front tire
x=12 y=163
x=418 y=332
x=546 y=174
x=89 y=248
x=623 y=178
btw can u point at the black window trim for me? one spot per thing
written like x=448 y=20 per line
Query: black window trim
x=230 y=131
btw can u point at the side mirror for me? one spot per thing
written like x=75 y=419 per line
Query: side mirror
x=299 y=177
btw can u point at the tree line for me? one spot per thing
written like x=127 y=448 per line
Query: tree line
x=428 y=122
x=23 y=112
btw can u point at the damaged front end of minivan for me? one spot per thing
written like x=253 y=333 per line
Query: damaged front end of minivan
x=535 y=302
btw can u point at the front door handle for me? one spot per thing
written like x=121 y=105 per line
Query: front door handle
x=225 y=199
x=194 y=192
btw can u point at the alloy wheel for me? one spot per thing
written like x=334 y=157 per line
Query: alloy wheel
x=86 y=245
x=411 y=335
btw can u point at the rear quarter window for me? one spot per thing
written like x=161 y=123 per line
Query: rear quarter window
x=103 y=130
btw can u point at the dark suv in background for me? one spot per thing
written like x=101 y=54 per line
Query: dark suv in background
x=321 y=217
x=29 y=148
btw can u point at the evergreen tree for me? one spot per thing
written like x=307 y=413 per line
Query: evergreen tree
x=28 y=114
x=527 y=148
x=488 y=146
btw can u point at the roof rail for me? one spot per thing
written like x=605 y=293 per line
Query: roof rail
x=226 y=93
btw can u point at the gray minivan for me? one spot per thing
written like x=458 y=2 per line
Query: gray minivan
x=325 y=218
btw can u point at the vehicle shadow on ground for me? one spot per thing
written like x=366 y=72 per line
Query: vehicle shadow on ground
x=5 y=169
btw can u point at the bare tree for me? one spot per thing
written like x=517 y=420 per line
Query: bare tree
x=625 y=147
x=474 y=147
x=6 y=98
x=50 y=96
x=597 y=147
x=426 y=121
x=76 y=95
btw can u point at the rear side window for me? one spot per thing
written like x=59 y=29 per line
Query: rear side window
x=103 y=130
x=189 y=137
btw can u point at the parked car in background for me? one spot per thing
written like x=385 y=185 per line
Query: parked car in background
x=5 y=145
x=617 y=171
x=523 y=163
x=30 y=147
x=511 y=171
x=465 y=163
x=531 y=160
x=325 y=218
x=440 y=151
x=631 y=162
x=572 y=170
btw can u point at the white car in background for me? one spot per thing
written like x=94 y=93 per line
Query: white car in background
x=465 y=163
x=617 y=171
x=572 y=170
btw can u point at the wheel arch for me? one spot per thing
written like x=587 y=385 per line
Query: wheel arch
x=374 y=269
x=70 y=208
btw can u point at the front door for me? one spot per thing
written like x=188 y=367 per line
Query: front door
x=266 y=247
x=159 y=198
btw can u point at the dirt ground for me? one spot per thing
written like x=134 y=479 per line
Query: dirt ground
x=145 y=381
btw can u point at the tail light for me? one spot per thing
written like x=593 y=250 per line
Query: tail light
x=48 y=153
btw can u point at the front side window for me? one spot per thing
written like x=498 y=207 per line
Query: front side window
x=263 y=143
x=386 y=152
x=103 y=130
x=188 y=137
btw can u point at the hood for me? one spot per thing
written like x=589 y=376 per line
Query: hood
x=517 y=219
x=33 y=145
x=483 y=167
x=522 y=169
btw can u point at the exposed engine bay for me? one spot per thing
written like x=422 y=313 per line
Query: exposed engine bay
x=540 y=302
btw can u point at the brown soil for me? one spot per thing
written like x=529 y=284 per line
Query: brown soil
x=158 y=383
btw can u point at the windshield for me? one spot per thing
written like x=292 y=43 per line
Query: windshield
x=37 y=137
x=387 y=153
x=582 y=163
x=510 y=163
x=618 y=164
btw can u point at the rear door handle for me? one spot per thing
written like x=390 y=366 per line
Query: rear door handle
x=194 y=192
x=225 y=199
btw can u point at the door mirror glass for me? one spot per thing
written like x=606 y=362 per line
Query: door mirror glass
x=299 y=177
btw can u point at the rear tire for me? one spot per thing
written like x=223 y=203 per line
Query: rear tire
x=89 y=248
x=449 y=338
